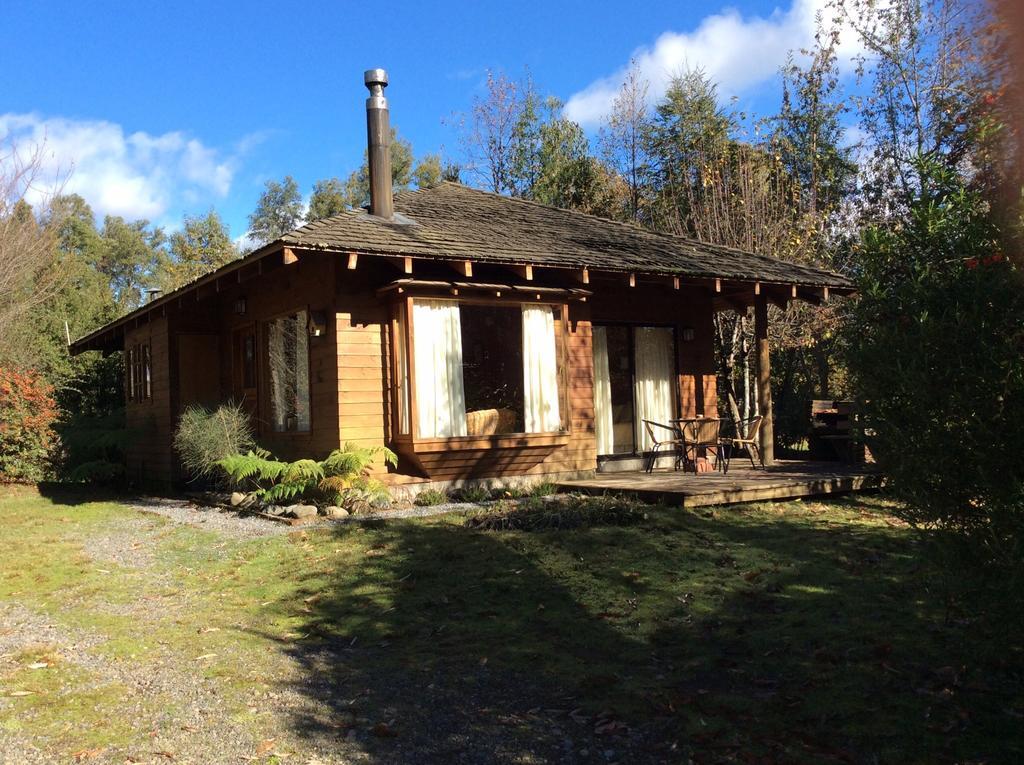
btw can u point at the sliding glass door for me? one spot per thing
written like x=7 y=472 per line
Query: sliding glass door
x=634 y=380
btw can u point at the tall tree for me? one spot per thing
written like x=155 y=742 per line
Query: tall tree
x=328 y=198
x=923 y=73
x=566 y=175
x=623 y=139
x=277 y=212
x=202 y=245
x=29 y=268
x=357 y=185
x=428 y=172
x=488 y=133
x=132 y=259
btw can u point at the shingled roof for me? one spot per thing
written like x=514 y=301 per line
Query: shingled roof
x=452 y=221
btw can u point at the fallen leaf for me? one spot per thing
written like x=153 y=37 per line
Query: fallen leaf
x=265 y=746
x=22 y=693
x=39 y=665
x=205 y=656
x=85 y=754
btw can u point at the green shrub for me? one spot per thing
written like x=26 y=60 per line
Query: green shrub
x=568 y=512
x=937 y=357
x=343 y=478
x=431 y=497
x=471 y=494
x=91 y=441
x=544 y=489
x=27 y=414
x=204 y=437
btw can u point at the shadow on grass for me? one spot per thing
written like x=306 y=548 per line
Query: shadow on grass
x=713 y=637
x=79 y=493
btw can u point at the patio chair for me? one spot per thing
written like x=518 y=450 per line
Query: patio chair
x=749 y=441
x=704 y=435
x=660 y=440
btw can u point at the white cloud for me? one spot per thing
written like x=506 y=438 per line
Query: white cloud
x=135 y=175
x=737 y=53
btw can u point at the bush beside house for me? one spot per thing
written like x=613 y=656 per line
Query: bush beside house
x=27 y=415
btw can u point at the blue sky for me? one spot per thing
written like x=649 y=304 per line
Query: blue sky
x=162 y=109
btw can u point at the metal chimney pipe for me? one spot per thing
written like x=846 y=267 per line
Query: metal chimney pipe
x=378 y=139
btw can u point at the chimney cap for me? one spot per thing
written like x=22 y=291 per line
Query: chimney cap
x=375 y=77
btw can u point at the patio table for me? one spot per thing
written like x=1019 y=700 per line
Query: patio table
x=694 y=440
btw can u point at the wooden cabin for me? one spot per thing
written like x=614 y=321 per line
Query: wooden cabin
x=478 y=336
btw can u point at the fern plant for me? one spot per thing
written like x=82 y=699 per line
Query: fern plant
x=342 y=478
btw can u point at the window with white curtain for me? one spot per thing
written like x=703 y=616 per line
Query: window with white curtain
x=437 y=354
x=540 y=370
x=288 y=370
x=484 y=369
x=654 y=354
x=634 y=380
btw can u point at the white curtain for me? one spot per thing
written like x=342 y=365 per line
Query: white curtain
x=540 y=370
x=603 y=422
x=437 y=352
x=654 y=350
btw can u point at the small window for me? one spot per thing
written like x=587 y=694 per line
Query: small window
x=147 y=373
x=288 y=370
x=139 y=373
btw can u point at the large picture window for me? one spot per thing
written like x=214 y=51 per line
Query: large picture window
x=483 y=369
x=288 y=372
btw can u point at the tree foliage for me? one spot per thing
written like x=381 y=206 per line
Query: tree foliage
x=937 y=355
x=278 y=211
x=202 y=245
x=27 y=415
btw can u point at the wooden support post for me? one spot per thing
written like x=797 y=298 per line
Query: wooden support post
x=353 y=261
x=585 y=275
x=824 y=294
x=793 y=292
x=718 y=285
x=524 y=271
x=632 y=280
x=675 y=282
x=764 y=380
x=407 y=265
x=288 y=256
x=757 y=288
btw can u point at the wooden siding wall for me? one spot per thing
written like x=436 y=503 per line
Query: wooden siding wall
x=361 y=321
x=306 y=285
x=350 y=389
x=150 y=461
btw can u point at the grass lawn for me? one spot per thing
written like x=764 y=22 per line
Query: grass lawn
x=779 y=632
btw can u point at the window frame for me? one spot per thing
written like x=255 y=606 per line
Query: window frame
x=403 y=309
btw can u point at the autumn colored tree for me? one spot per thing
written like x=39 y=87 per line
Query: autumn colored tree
x=27 y=414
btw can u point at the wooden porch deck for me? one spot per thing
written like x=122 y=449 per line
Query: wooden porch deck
x=784 y=480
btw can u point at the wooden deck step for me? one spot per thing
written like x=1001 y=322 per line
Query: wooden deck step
x=785 y=480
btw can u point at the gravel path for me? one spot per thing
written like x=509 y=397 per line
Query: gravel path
x=172 y=706
x=218 y=520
